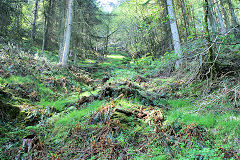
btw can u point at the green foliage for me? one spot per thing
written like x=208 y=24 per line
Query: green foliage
x=16 y=79
x=61 y=103
x=64 y=122
x=41 y=89
x=198 y=153
x=150 y=65
x=58 y=105
x=220 y=125
x=79 y=115
x=123 y=74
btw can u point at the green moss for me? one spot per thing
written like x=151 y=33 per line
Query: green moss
x=183 y=110
x=75 y=116
x=16 y=79
x=44 y=91
x=156 y=152
x=224 y=126
x=123 y=74
x=198 y=153
x=60 y=104
x=207 y=120
x=152 y=157
x=64 y=122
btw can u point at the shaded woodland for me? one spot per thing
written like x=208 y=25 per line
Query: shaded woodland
x=151 y=79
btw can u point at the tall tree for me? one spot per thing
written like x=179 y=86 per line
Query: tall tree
x=233 y=16
x=210 y=57
x=6 y=12
x=174 y=31
x=61 y=28
x=220 y=18
x=48 y=21
x=186 y=22
x=211 y=16
x=34 y=21
x=225 y=15
x=234 y=20
x=67 y=34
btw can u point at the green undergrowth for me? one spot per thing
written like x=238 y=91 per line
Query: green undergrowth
x=151 y=66
x=42 y=90
x=189 y=111
x=62 y=102
x=16 y=79
x=122 y=75
x=64 y=122
x=182 y=105
x=80 y=116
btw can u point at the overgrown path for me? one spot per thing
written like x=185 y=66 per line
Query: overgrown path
x=115 y=109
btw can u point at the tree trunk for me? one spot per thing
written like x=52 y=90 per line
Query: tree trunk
x=61 y=30
x=17 y=27
x=46 y=25
x=225 y=15
x=174 y=31
x=44 y=28
x=48 y=13
x=186 y=23
x=211 y=16
x=68 y=34
x=233 y=16
x=210 y=63
x=106 y=40
x=193 y=20
x=236 y=29
x=220 y=19
x=34 y=22
x=167 y=41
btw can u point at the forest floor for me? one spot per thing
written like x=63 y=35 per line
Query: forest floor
x=115 y=109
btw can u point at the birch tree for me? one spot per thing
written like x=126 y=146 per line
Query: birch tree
x=67 y=34
x=174 y=31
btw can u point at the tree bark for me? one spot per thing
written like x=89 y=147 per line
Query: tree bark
x=46 y=25
x=233 y=16
x=210 y=63
x=34 y=22
x=44 y=28
x=68 y=34
x=220 y=19
x=193 y=20
x=174 y=31
x=225 y=15
x=48 y=13
x=186 y=23
x=211 y=16
x=61 y=30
